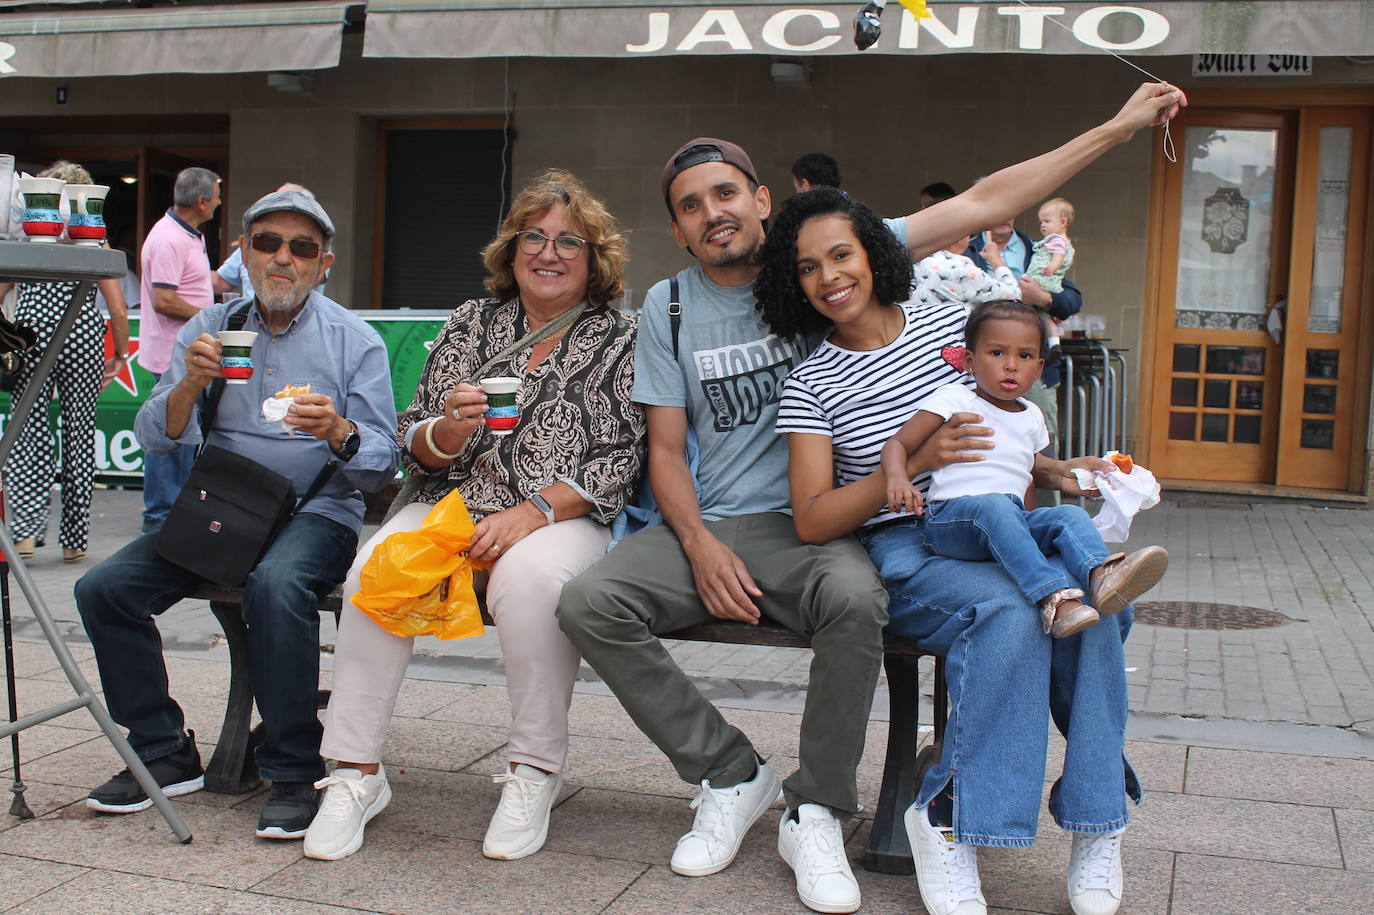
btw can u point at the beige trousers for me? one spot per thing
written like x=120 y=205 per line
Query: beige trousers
x=541 y=664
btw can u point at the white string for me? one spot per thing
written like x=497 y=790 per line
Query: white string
x=1169 y=152
x=505 y=140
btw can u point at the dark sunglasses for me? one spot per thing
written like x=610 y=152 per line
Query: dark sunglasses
x=270 y=244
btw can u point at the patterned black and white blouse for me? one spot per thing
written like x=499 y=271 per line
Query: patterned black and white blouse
x=577 y=422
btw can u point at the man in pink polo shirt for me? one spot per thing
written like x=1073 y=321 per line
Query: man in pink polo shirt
x=175 y=287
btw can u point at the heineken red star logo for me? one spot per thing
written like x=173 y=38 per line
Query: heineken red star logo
x=125 y=377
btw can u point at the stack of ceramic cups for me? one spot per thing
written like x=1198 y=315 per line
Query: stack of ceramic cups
x=43 y=204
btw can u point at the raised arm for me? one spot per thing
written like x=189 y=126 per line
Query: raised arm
x=1019 y=186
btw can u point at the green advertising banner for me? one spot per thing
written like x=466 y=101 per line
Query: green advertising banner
x=408 y=336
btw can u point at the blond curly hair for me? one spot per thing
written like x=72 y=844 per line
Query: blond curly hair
x=66 y=171
x=590 y=220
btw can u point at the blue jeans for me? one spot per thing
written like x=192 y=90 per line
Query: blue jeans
x=1006 y=678
x=163 y=477
x=996 y=526
x=118 y=598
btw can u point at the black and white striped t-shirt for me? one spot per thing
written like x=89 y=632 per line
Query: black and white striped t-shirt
x=861 y=399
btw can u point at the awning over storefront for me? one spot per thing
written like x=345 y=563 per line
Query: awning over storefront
x=637 y=28
x=210 y=39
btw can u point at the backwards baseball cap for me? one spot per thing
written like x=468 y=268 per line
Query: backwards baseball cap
x=302 y=202
x=705 y=149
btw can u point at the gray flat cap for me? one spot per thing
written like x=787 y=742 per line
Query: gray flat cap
x=301 y=202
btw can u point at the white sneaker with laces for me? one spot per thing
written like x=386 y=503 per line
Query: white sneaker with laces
x=350 y=800
x=724 y=815
x=946 y=871
x=813 y=846
x=1095 y=873
x=521 y=822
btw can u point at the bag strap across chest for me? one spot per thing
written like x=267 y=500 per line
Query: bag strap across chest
x=210 y=409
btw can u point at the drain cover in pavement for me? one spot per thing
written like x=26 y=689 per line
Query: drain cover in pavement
x=1187 y=614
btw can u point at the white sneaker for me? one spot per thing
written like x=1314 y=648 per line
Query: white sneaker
x=946 y=871
x=1095 y=873
x=724 y=815
x=350 y=800
x=813 y=846
x=521 y=821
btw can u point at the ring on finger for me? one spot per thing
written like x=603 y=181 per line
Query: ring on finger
x=458 y=415
x=496 y=547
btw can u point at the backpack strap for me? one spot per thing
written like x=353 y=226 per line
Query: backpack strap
x=675 y=311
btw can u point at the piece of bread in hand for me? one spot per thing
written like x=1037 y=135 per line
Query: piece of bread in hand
x=292 y=390
x=1123 y=462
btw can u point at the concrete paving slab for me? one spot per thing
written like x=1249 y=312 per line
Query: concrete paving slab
x=127 y=894
x=35 y=695
x=223 y=852
x=421 y=698
x=758 y=881
x=1211 y=884
x=633 y=765
x=39 y=741
x=1281 y=777
x=41 y=797
x=26 y=878
x=1256 y=830
x=1356 y=830
x=33 y=658
x=629 y=827
x=443 y=745
x=418 y=872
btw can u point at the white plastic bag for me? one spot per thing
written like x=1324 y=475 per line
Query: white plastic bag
x=1123 y=495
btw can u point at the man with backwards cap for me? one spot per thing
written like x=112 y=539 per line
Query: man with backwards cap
x=349 y=417
x=708 y=368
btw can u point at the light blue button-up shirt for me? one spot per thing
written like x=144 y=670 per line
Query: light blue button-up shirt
x=327 y=347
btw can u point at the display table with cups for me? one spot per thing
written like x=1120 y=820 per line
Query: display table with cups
x=26 y=262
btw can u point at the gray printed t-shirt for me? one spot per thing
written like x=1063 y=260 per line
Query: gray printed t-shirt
x=729 y=376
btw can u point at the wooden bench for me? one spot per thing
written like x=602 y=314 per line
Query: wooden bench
x=233 y=770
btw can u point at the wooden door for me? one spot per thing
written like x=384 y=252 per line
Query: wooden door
x=1224 y=266
x=1257 y=311
x=1320 y=396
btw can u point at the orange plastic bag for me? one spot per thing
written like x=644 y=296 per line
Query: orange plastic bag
x=420 y=582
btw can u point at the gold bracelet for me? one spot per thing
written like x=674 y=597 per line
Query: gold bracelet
x=429 y=440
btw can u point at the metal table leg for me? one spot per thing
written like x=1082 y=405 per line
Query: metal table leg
x=85 y=696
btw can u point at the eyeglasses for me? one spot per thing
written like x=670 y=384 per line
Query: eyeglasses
x=270 y=244
x=565 y=246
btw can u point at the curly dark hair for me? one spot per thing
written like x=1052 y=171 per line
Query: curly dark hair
x=780 y=298
x=1005 y=310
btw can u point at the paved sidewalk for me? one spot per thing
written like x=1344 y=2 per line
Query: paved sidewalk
x=1255 y=752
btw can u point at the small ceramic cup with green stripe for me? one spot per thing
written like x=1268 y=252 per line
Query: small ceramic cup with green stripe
x=503 y=413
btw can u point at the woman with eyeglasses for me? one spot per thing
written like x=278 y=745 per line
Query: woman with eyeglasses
x=542 y=498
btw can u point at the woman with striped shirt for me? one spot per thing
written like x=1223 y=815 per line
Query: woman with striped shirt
x=831 y=267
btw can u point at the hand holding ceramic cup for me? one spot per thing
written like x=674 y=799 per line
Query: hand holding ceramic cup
x=503 y=414
x=42 y=217
x=86 y=204
x=236 y=360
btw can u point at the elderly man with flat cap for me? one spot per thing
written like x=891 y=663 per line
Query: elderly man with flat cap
x=349 y=418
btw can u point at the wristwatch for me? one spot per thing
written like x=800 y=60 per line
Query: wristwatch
x=352 y=440
x=543 y=505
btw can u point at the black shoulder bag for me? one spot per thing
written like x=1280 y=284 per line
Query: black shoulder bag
x=231 y=508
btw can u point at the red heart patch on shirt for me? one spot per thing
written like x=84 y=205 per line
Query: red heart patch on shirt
x=954 y=355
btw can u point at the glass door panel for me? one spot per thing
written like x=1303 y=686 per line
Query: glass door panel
x=1321 y=341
